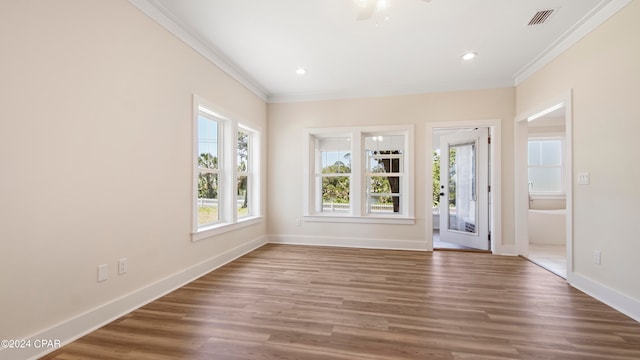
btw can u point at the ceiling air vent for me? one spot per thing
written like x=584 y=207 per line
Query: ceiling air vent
x=540 y=17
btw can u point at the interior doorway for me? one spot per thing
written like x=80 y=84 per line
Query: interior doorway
x=544 y=186
x=460 y=188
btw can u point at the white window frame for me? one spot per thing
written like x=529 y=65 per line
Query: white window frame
x=228 y=126
x=358 y=196
x=550 y=194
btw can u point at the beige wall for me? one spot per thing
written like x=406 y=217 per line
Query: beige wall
x=287 y=122
x=603 y=71
x=95 y=154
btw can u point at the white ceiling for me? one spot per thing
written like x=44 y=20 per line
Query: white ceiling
x=419 y=49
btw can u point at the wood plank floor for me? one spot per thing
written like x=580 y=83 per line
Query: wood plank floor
x=303 y=302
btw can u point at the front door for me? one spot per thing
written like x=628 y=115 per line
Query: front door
x=464 y=192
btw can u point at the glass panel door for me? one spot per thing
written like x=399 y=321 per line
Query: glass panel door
x=463 y=214
x=464 y=190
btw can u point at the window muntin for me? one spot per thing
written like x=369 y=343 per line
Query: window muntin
x=545 y=165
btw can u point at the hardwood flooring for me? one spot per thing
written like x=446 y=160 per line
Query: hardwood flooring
x=304 y=302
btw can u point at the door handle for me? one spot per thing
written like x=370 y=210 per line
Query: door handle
x=442 y=194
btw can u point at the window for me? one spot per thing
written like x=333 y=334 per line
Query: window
x=244 y=177
x=226 y=187
x=359 y=175
x=546 y=165
x=384 y=173
x=333 y=174
x=208 y=169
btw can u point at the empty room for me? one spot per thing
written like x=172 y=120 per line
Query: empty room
x=319 y=179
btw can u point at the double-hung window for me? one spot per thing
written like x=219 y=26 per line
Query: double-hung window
x=546 y=170
x=226 y=172
x=359 y=174
x=384 y=173
x=333 y=174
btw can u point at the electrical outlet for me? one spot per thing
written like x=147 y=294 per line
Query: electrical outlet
x=597 y=257
x=103 y=272
x=122 y=266
x=298 y=222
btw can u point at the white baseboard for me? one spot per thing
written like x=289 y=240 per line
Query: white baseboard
x=509 y=250
x=89 y=321
x=617 y=300
x=366 y=243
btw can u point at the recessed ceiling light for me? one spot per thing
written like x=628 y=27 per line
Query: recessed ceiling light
x=468 y=56
x=301 y=71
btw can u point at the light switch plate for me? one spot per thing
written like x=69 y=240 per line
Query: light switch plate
x=583 y=178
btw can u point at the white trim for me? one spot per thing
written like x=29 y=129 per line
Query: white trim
x=507 y=250
x=378 y=92
x=82 y=324
x=217 y=229
x=495 y=176
x=595 y=18
x=617 y=300
x=370 y=219
x=363 y=243
x=548 y=196
x=163 y=17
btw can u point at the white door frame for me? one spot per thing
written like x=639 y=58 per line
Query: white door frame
x=495 y=178
x=521 y=167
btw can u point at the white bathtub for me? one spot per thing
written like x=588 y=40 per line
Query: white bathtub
x=548 y=227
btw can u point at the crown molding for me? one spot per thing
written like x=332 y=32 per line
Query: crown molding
x=595 y=18
x=159 y=14
x=155 y=11
x=381 y=92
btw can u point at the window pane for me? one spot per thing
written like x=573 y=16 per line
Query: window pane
x=384 y=153
x=243 y=196
x=551 y=152
x=335 y=155
x=335 y=193
x=462 y=188
x=208 y=199
x=383 y=194
x=387 y=143
x=545 y=179
x=534 y=153
x=243 y=151
x=207 y=143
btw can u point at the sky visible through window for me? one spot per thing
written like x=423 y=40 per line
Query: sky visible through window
x=207 y=136
x=332 y=157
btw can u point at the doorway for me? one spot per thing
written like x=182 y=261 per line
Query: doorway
x=464 y=210
x=544 y=186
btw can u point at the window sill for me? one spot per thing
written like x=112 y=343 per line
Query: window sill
x=373 y=219
x=222 y=228
x=547 y=196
